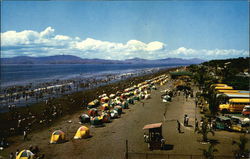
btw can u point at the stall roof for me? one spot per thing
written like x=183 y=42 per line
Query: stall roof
x=151 y=126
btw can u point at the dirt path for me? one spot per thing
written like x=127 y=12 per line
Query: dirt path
x=109 y=141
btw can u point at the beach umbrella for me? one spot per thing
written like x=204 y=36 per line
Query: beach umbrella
x=114 y=114
x=96 y=120
x=93 y=112
x=118 y=109
x=57 y=137
x=82 y=132
x=84 y=118
x=25 y=154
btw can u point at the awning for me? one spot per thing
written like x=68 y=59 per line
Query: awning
x=152 y=126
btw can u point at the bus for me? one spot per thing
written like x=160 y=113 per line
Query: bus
x=218 y=85
x=223 y=88
x=228 y=91
x=235 y=105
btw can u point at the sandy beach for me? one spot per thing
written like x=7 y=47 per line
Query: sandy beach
x=109 y=141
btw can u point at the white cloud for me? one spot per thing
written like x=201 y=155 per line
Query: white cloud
x=46 y=43
x=155 y=46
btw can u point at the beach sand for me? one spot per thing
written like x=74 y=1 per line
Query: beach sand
x=109 y=141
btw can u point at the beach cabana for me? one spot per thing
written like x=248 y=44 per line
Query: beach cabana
x=84 y=118
x=93 y=112
x=57 y=136
x=82 y=132
x=25 y=154
x=96 y=120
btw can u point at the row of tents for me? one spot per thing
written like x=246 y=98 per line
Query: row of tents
x=106 y=108
x=110 y=107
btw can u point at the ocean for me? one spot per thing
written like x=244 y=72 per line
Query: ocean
x=24 y=74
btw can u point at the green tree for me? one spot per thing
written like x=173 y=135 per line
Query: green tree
x=204 y=130
x=242 y=149
x=209 y=153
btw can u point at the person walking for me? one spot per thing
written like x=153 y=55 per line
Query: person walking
x=178 y=126
x=196 y=125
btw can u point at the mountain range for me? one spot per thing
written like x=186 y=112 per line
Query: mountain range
x=69 y=59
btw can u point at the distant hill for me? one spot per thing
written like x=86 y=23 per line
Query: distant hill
x=69 y=59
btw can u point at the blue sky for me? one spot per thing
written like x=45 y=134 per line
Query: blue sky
x=126 y=29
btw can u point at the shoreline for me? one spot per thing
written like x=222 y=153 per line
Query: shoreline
x=23 y=95
x=67 y=104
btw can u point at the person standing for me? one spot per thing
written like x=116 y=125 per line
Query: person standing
x=187 y=119
x=178 y=126
x=11 y=155
x=24 y=135
x=17 y=152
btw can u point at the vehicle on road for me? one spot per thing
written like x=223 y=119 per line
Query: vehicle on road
x=154 y=137
x=235 y=105
x=222 y=122
x=246 y=110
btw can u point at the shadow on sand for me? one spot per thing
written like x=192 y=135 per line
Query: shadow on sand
x=168 y=147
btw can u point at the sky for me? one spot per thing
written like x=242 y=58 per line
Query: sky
x=125 y=29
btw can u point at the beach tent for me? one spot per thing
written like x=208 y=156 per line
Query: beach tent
x=125 y=105
x=82 y=132
x=105 y=106
x=130 y=101
x=93 y=104
x=25 y=154
x=118 y=109
x=93 y=112
x=112 y=96
x=84 y=118
x=147 y=96
x=114 y=114
x=57 y=137
x=96 y=120
x=136 y=97
x=105 y=118
x=104 y=99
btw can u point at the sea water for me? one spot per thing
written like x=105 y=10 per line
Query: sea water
x=24 y=74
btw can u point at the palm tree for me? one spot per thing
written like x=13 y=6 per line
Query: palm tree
x=204 y=130
x=209 y=153
x=242 y=150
